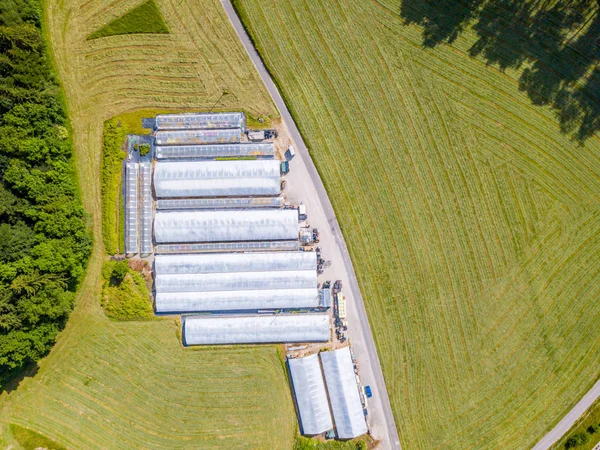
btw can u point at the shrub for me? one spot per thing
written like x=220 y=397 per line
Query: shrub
x=576 y=440
x=144 y=149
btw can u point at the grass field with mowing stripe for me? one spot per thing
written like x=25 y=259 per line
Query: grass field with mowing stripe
x=472 y=220
x=116 y=385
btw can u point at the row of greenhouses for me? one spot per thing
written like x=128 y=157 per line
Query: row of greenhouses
x=334 y=389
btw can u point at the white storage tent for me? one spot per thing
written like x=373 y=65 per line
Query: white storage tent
x=311 y=398
x=234 y=262
x=225 y=225
x=200 y=120
x=216 y=178
x=343 y=393
x=263 y=149
x=180 y=302
x=238 y=281
x=255 y=329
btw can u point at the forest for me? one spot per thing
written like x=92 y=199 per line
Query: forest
x=44 y=240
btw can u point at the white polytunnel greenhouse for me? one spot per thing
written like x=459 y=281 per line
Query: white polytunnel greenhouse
x=131 y=208
x=181 y=302
x=309 y=392
x=255 y=329
x=216 y=178
x=202 y=282
x=200 y=120
x=225 y=225
x=263 y=149
x=235 y=262
x=195 y=137
x=219 y=203
x=343 y=393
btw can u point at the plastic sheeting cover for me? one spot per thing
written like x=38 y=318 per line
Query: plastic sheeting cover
x=216 y=178
x=256 y=329
x=178 y=302
x=225 y=226
x=239 y=281
x=234 y=262
x=311 y=398
x=343 y=393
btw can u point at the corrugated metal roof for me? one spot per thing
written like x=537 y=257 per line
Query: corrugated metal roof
x=311 y=398
x=225 y=226
x=281 y=328
x=343 y=393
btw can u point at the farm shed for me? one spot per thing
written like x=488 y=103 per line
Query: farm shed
x=215 y=151
x=146 y=207
x=216 y=178
x=131 y=208
x=343 y=393
x=250 y=300
x=309 y=391
x=237 y=281
x=195 y=137
x=234 y=262
x=255 y=329
x=220 y=203
x=225 y=225
x=200 y=120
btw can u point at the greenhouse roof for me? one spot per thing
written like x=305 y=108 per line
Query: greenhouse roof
x=311 y=398
x=237 y=281
x=179 y=302
x=215 y=150
x=216 y=178
x=343 y=393
x=234 y=262
x=200 y=120
x=226 y=225
x=255 y=329
x=195 y=137
x=219 y=203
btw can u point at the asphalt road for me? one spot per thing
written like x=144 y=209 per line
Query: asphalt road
x=569 y=420
x=382 y=422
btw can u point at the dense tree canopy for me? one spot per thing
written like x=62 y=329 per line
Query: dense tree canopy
x=44 y=244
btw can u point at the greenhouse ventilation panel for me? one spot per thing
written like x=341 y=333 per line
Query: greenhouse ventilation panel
x=255 y=329
x=343 y=393
x=225 y=225
x=262 y=149
x=216 y=178
x=220 y=203
x=309 y=392
x=201 y=120
x=195 y=137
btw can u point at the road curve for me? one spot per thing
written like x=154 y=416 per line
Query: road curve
x=391 y=441
x=569 y=420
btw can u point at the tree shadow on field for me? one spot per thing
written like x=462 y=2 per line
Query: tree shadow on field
x=555 y=42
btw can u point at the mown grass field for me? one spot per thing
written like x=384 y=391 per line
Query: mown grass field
x=472 y=220
x=115 y=385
